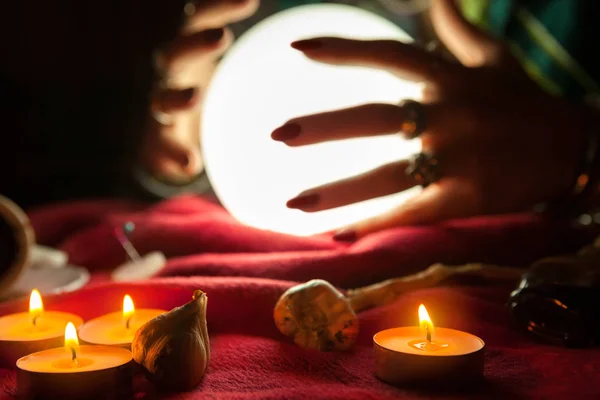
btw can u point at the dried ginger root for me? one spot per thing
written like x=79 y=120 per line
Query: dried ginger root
x=318 y=316
x=387 y=291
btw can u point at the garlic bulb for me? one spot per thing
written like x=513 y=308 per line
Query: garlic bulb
x=173 y=348
x=317 y=316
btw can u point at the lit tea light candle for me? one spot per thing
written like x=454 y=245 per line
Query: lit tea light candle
x=27 y=332
x=424 y=354
x=117 y=328
x=76 y=372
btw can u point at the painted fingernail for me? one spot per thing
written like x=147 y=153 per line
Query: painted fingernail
x=213 y=35
x=189 y=9
x=345 y=235
x=193 y=165
x=188 y=94
x=286 y=132
x=187 y=160
x=304 y=45
x=303 y=201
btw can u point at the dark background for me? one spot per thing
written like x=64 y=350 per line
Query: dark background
x=75 y=78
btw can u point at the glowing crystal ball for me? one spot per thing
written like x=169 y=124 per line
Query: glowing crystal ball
x=260 y=84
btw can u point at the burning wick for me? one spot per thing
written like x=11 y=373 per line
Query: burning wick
x=71 y=341
x=128 y=310
x=36 y=307
x=122 y=236
x=425 y=322
x=427 y=328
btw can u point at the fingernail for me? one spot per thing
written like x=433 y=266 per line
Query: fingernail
x=213 y=35
x=303 y=201
x=189 y=9
x=304 y=45
x=286 y=132
x=188 y=94
x=346 y=235
x=194 y=162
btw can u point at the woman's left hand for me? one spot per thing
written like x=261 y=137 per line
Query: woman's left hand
x=502 y=143
x=171 y=147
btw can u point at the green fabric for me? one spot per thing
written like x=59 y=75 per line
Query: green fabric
x=543 y=36
x=476 y=11
x=283 y=4
x=558 y=56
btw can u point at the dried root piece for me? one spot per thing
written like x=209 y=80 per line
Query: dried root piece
x=317 y=316
x=387 y=291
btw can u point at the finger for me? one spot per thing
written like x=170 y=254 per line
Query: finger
x=437 y=203
x=170 y=101
x=382 y=181
x=404 y=60
x=369 y=120
x=469 y=44
x=162 y=164
x=187 y=49
x=165 y=155
x=215 y=13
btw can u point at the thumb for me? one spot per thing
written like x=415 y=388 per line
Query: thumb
x=470 y=45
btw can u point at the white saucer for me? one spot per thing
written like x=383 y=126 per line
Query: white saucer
x=48 y=280
x=147 y=267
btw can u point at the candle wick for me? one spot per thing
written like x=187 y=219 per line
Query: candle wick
x=127 y=323
x=73 y=354
x=34 y=320
x=428 y=334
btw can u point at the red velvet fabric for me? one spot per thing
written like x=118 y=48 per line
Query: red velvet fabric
x=244 y=271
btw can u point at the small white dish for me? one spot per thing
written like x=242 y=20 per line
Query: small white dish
x=48 y=280
x=47 y=257
x=145 y=268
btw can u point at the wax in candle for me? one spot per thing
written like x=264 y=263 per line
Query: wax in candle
x=445 y=342
x=89 y=358
x=50 y=324
x=76 y=372
x=427 y=355
x=110 y=329
x=117 y=328
x=27 y=332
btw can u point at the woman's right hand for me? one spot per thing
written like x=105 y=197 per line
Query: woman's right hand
x=494 y=141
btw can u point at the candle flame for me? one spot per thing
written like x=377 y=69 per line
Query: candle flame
x=36 y=307
x=425 y=322
x=71 y=340
x=128 y=309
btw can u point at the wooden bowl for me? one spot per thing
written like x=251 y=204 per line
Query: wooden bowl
x=14 y=221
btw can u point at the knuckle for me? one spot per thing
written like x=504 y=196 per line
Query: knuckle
x=432 y=93
x=249 y=7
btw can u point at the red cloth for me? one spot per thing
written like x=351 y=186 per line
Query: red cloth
x=244 y=271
